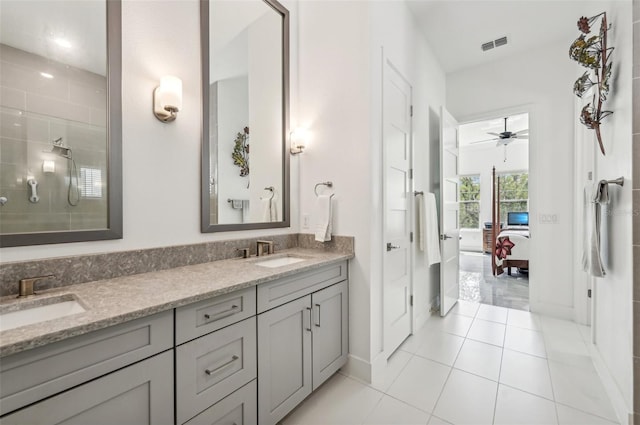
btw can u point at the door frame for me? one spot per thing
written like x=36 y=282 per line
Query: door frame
x=534 y=163
x=386 y=61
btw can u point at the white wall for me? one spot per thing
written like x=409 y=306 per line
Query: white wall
x=265 y=113
x=233 y=116
x=340 y=103
x=517 y=84
x=612 y=316
x=334 y=98
x=479 y=160
x=161 y=162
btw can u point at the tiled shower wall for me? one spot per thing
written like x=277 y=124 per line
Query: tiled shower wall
x=636 y=210
x=40 y=101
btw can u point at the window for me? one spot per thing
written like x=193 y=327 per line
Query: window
x=514 y=194
x=90 y=182
x=469 y=202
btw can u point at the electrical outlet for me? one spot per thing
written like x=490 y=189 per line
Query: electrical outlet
x=305 y=221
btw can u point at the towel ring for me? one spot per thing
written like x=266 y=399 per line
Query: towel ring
x=272 y=190
x=328 y=184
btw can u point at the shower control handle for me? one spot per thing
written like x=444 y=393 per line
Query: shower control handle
x=33 y=189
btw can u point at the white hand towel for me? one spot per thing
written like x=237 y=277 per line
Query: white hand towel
x=594 y=198
x=432 y=235
x=245 y=210
x=421 y=222
x=323 y=218
x=266 y=209
x=274 y=210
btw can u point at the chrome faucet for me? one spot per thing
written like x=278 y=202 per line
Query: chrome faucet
x=244 y=251
x=26 y=285
x=261 y=248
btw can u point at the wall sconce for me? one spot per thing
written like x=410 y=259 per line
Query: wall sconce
x=167 y=98
x=48 y=166
x=299 y=140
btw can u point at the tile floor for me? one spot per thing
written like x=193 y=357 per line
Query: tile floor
x=477 y=283
x=480 y=365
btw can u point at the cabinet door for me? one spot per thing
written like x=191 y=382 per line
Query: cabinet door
x=139 y=394
x=330 y=331
x=284 y=359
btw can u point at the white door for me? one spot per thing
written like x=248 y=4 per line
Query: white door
x=396 y=140
x=449 y=212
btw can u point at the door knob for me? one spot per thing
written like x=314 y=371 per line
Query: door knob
x=390 y=247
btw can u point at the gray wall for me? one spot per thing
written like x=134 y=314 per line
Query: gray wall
x=34 y=111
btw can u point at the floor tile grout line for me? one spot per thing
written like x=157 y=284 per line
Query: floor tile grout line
x=504 y=340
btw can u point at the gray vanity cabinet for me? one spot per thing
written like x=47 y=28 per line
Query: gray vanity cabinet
x=300 y=345
x=138 y=394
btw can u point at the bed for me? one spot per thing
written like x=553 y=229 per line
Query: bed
x=511 y=243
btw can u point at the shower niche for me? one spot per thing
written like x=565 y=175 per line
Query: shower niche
x=60 y=125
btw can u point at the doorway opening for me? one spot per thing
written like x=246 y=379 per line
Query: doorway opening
x=501 y=143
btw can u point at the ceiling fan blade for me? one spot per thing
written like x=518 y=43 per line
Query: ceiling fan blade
x=494 y=134
x=525 y=131
x=483 y=141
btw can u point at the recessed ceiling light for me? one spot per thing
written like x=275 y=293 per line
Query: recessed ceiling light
x=62 y=42
x=46 y=75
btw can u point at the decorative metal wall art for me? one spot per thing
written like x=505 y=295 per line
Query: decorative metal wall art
x=593 y=53
x=240 y=153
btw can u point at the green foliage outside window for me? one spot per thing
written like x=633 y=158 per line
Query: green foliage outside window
x=470 y=202
x=514 y=194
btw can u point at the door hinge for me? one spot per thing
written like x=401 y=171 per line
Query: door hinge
x=589 y=293
x=411 y=300
x=410 y=173
x=411 y=110
x=410 y=236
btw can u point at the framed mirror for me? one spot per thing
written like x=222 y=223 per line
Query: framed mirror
x=245 y=78
x=60 y=121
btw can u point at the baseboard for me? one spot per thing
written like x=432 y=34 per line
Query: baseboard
x=358 y=368
x=615 y=396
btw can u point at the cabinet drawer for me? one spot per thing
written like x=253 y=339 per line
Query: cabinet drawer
x=206 y=316
x=281 y=291
x=39 y=373
x=239 y=408
x=138 y=394
x=211 y=367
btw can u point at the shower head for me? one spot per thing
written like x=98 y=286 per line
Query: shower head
x=61 y=151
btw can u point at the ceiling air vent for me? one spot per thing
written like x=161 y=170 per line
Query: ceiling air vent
x=487 y=46
x=495 y=43
x=501 y=41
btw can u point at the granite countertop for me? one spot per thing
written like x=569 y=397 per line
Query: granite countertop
x=113 y=301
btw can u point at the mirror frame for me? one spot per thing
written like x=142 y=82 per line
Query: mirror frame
x=206 y=225
x=114 y=150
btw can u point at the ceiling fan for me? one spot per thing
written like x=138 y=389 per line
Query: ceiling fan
x=506 y=137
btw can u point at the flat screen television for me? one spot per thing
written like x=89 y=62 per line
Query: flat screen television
x=517 y=219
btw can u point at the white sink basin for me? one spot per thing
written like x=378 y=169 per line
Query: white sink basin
x=30 y=312
x=279 y=262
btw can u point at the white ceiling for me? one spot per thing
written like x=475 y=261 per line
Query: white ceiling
x=455 y=29
x=477 y=131
x=35 y=25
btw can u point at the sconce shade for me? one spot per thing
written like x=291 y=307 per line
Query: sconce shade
x=167 y=98
x=299 y=140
